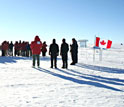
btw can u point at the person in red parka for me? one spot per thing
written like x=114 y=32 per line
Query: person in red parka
x=5 y=47
x=36 y=46
x=44 y=49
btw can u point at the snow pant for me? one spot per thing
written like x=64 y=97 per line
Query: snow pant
x=27 y=53
x=10 y=52
x=23 y=52
x=36 y=57
x=43 y=53
x=30 y=53
x=64 y=60
x=16 y=52
x=74 y=57
x=3 y=53
x=53 y=60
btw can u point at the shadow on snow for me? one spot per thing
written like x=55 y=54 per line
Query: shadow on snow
x=9 y=59
x=47 y=58
x=100 y=68
x=5 y=59
x=90 y=80
x=113 y=81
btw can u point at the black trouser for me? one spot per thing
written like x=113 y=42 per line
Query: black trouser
x=3 y=53
x=64 y=60
x=16 y=52
x=27 y=53
x=38 y=60
x=53 y=60
x=74 y=58
x=43 y=53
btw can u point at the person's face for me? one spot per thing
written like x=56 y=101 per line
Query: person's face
x=72 y=41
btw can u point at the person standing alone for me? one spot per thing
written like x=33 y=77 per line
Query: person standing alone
x=36 y=46
x=53 y=52
x=64 y=53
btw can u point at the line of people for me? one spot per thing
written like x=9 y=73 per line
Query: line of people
x=6 y=48
x=19 y=49
x=37 y=45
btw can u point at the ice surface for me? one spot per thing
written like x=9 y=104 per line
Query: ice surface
x=87 y=84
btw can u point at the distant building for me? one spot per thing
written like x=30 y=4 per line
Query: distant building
x=83 y=43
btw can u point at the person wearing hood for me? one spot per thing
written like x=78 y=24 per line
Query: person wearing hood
x=54 y=52
x=36 y=46
x=44 y=49
x=74 y=51
x=11 y=48
x=5 y=47
x=64 y=53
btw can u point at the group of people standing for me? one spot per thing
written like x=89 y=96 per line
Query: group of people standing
x=19 y=49
x=6 y=48
x=37 y=45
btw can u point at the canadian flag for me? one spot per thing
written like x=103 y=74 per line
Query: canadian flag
x=103 y=43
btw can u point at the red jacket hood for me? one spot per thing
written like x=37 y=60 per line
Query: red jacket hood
x=36 y=38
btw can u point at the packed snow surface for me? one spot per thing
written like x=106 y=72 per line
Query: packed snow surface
x=90 y=83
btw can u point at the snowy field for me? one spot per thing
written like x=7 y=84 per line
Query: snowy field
x=87 y=84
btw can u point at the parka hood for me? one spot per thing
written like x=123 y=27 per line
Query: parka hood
x=36 y=38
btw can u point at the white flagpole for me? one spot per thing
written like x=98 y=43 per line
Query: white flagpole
x=94 y=52
x=94 y=55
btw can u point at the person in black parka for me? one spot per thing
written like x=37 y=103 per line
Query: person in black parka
x=11 y=48
x=64 y=53
x=54 y=52
x=74 y=51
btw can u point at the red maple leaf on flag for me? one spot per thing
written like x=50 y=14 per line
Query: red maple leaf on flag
x=102 y=42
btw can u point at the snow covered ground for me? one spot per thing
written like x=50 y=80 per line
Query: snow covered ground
x=87 y=84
